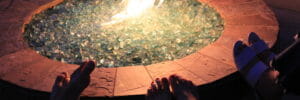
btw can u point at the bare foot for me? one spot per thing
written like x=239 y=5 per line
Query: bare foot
x=65 y=88
x=159 y=91
x=183 y=89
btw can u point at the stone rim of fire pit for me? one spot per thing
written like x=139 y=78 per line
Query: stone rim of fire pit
x=22 y=66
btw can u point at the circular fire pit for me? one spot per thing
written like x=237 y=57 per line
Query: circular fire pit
x=123 y=32
x=23 y=66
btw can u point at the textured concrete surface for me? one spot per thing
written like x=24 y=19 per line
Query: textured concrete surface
x=22 y=66
x=131 y=81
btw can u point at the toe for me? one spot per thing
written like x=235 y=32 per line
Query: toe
x=181 y=80
x=190 y=84
x=173 y=81
x=82 y=74
x=184 y=84
x=59 y=80
x=175 y=77
x=159 y=84
x=253 y=37
x=256 y=43
x=238 y=48
x=59 y=84
x=85 y=69
x=154 y=87
x=150 y=92
x=165 y=83
x=80 y=78
x=66 y=79
x=88 y=68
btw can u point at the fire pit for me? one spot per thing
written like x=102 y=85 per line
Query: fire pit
x=23 y=66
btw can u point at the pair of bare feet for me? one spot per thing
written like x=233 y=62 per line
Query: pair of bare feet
x=182 y=89
x=70 y=88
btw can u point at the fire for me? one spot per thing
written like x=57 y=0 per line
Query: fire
x=133 y=8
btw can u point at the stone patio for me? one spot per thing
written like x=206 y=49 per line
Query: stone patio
x=24 y=67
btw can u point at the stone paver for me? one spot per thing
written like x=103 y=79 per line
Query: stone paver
x=208 y=69
x=17 y=61
x=259 y=19
x=168 y=68
x=19 y=10
x=31 y=74
x=244 y=9
x=22 y=10
x=11 y=40
x=11 y=47
x=285 y=4
x=10 y=30
x=131 y=81
x=102 y=82
x=219 y=52
x=42 y=5
x=232 y=33
x=12 y=22
x=220 y=3
x=188 y=60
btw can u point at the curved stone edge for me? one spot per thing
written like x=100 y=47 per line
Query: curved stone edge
x=215 y=55
x=13 y=20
